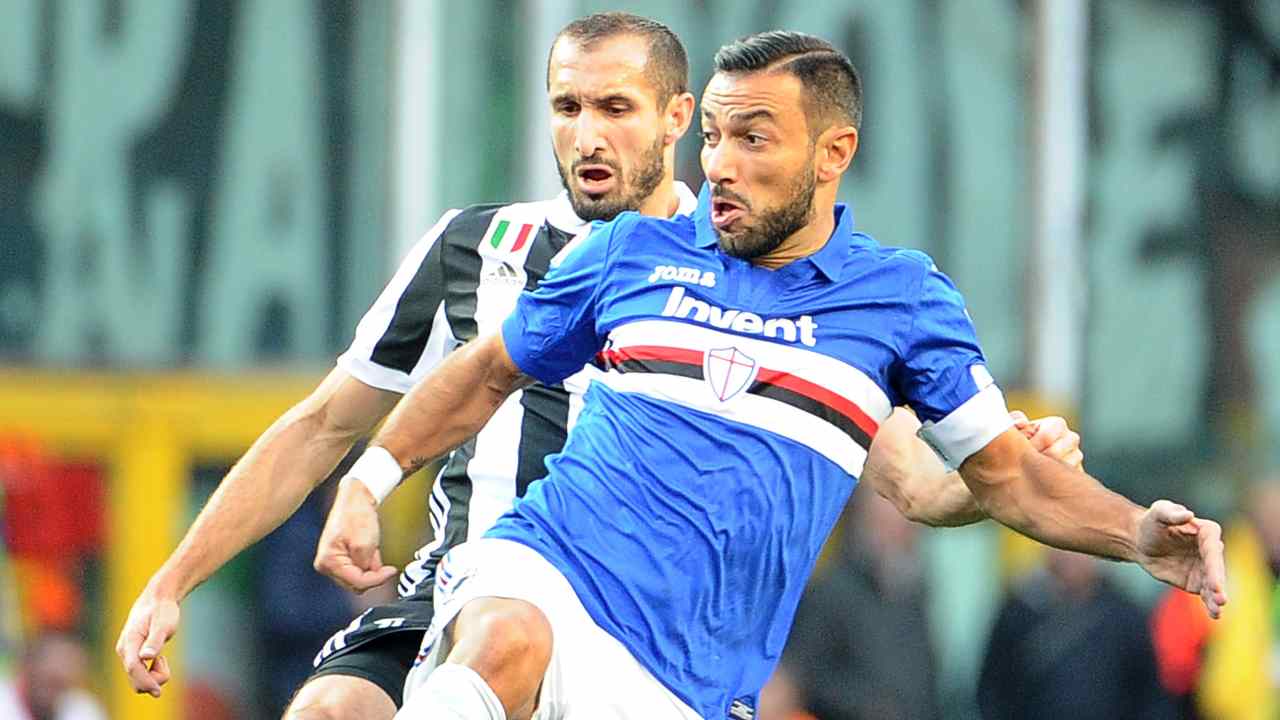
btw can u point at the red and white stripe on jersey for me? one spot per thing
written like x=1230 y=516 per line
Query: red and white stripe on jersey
x=806 y=396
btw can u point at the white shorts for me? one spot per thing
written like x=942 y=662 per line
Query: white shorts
x=591 y=675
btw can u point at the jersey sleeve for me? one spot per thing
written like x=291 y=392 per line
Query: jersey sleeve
x=405 y=333
x=552 y=332
x=943 y=375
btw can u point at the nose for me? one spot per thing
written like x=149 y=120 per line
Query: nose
x=589 y=139
x=718 y=164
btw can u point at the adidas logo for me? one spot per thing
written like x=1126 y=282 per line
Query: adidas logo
x=740 y=710
x=503 y=274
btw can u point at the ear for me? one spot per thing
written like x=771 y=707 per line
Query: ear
x=835 y=150
x=677 y=117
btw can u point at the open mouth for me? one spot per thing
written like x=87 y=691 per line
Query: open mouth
x=725 y=212
x=595 y=179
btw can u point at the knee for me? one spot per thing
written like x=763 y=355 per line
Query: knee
x=338 y=697
x=498 y=635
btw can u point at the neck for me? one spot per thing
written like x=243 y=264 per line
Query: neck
x=809 y=239
x=663 y=202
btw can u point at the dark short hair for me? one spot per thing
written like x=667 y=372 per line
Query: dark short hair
x=832 y=88
x=667 y=65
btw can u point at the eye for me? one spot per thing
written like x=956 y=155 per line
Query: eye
x=710 y=137
x=567 y=107
x=754 y=139
x=618 y=110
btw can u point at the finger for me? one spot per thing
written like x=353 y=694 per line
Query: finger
x=124 y=645
x=349 y=576
x=331 y=557
x=1075 y=459
x=1019 y=418
x=127 y=649
x=374 y=578
x=142 y=681
x=1215 y=566
x=362 y=555
x=160 y=670
x=1048 y=431
x=1063 y=446
x=1171 y=513
x=156 y=638
x=362 y=581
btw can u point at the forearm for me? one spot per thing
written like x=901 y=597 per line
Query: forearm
x=450 y=405
x=906 y=472
x=1051 y=502
x=950 y=505
x=268 y=484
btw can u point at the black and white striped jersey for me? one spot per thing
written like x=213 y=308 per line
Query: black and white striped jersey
x=460 y=281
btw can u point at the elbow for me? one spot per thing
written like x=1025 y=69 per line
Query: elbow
x=319 y=419
x=914 y=501
x=914 y=507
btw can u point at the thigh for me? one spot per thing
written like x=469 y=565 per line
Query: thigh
x=327 y=697
x=591 y=675
x=379 y=646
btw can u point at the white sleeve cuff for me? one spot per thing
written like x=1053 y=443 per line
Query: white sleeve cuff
x=379 y=472
x=373 y=374
x=968 y=428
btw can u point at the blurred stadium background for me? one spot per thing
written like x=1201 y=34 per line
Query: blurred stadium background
x=199 y=198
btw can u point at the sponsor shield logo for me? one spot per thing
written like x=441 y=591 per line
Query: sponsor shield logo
x=728 y=371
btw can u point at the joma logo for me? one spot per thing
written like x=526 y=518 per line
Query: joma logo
x=693 y=276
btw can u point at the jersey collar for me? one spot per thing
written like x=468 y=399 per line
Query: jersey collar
x=560 y=214
x=829 y=261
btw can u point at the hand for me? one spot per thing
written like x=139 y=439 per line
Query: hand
x=152 y=621
x=348 y=550
x=1185 y=551
x=1052 y=437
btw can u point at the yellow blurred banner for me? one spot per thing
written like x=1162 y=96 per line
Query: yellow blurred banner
x=148 y=430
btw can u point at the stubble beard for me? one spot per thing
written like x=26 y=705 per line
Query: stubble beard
x=774 y=225
x=631 y=192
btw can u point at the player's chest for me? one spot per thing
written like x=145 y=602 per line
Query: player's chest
x=506 y=270
x=797 y=321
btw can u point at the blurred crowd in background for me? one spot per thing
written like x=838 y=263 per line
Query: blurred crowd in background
x=218 y=189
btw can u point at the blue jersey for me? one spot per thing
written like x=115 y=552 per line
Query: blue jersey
x=714 y=455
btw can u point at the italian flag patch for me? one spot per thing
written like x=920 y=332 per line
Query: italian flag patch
x=509 y=236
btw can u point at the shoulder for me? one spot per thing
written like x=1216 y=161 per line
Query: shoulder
x=465 y=232
x=474 y=222
x=904 y=260
x=636 y=230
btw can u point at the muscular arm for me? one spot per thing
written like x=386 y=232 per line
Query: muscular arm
x=1049 y=501
x=908 y=473
x=274 y=477
x=260 y=492
x=451 y=404
x=448 y=406
x=1063 y=507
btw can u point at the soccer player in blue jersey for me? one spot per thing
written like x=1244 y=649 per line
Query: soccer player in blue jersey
x=617 y=102
x=751 y=353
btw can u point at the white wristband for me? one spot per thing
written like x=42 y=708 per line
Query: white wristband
x=379 y=472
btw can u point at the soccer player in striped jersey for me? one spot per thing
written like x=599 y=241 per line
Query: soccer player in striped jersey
x=619 y=102
x=750 y=353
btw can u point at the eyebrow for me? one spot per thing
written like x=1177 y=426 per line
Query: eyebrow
x=744 y=118
x=748 y=116
x=591 y=100
x=609 y=99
